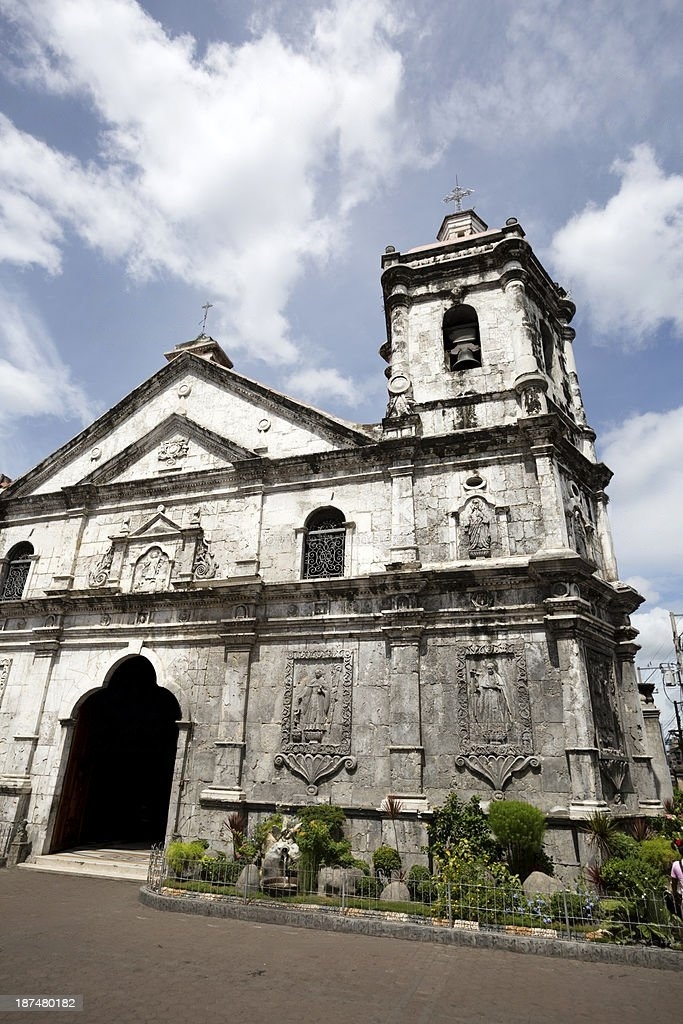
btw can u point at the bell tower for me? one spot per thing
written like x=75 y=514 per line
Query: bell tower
x=478 y=334
x=484 y=401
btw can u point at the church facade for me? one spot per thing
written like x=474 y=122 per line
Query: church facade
x=216 y=597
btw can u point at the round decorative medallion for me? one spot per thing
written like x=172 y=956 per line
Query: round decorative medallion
x=184 y=390
x=95 y=454
x=263 y=426
x=398 y=384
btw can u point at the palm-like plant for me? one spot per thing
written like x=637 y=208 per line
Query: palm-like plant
x=392 y=807
x=601 y=830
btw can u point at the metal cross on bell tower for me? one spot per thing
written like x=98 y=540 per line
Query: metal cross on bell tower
x=206 y=307
x=457 y=194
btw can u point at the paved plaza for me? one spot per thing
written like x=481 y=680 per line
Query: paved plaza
x=69 y=934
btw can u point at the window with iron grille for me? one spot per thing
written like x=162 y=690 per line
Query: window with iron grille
x=324 y=544
x=16 y=572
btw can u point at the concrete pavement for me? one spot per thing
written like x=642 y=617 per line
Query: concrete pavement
x=70 y=934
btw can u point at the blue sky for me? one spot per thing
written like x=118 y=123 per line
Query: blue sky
x=261 y=155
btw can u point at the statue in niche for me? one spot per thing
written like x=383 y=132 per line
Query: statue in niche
x=604 y=699
x=532 y=401
x=314 y=704
x=151 y=570
x=478 y=530
x=492 y=709
x=578 y=532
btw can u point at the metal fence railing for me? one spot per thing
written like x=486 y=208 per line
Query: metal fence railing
x=418 y=897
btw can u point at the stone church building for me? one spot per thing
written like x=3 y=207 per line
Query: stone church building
x=216 y=596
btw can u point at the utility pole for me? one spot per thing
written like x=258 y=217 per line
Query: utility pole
x=676 y=677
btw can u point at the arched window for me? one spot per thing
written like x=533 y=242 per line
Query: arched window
x=461 y=338
x=324 y=544
x=16 y=571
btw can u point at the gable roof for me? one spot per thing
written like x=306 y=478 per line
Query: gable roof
x=231 y=393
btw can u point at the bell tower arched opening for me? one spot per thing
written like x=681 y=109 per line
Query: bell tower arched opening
x=117 y=783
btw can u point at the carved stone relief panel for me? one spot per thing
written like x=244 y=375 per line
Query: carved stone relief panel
x=152 y=571
x=603 y=691
x=316 y=715
x=205 y=566
x=494 y=712
x=493 y=697
x=5 y=665
x=171 y=452
x=99 y=574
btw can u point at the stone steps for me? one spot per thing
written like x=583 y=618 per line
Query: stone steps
x=104 y=863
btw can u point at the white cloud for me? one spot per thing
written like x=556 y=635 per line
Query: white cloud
x=33 y=379
x=656 y=637
x=227 y=171
x=545 y=70
x=644 y=586
x=313 y=384
x=625 y=260
x=646 y=493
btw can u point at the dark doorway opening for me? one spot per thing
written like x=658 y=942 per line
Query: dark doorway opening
x=118 y=778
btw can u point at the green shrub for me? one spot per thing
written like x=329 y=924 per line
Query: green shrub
x=658 y=853
x=183 y=858
x=220 y=869
x=421 y=886
x=385 y=860
x=457 y=821
x=368 y=887
x=520 y=828
x=624 y=845
x=320 y=838
x=331 y=816
x=574 y=907
x=630 y=876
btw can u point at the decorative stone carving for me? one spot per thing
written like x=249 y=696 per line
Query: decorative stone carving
x=613 y=771
x=532 y=401
x=482 y=599
x=494 y=713
x=5 y=666
x=171 y=452
x=316 y=715
x=152 y=571
x=476 y=526
x=497 y=769
x=105 y=619
x=401 y=402
x=603 y=693
x=205 y=566
x=99 y=575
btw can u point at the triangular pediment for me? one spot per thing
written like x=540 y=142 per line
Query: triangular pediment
x=175 y=446
x=158 y=526
x=224 y=417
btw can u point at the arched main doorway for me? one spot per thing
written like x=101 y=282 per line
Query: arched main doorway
x=118 y=778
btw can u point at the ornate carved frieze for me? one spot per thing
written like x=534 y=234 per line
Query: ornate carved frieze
x=316 y=715
x=494 y=713
x=99 y=574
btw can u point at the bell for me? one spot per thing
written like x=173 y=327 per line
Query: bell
x=467 y=356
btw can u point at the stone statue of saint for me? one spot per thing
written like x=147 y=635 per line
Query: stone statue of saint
x=315 y=702
x=478 y=530
x=492 y=707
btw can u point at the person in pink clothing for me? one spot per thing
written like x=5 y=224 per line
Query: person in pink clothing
x=677 y=877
